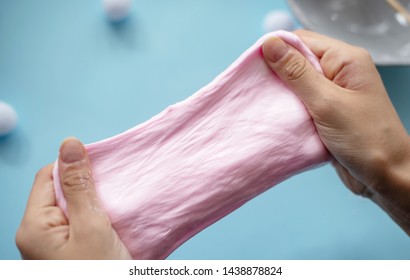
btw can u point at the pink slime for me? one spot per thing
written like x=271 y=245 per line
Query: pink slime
x=170 y=177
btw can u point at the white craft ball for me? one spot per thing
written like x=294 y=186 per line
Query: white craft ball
x=8 y=118
x=278 y=20
x=117 y=10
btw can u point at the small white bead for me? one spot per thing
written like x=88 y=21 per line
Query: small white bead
x=117 y=10
x=278 y=20
x=8 y=118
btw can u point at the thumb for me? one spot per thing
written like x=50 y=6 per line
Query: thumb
x=77 y=184
x=295 y=70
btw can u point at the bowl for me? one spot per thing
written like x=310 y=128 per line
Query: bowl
x=372 y=24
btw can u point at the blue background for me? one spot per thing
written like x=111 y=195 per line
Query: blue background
x=68 y=72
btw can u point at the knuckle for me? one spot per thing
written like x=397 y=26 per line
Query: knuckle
x=76 y=180
x=363 y=54
x=43 y=171
x=297 y=69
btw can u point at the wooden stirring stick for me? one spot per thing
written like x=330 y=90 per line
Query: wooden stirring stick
x=395 y=4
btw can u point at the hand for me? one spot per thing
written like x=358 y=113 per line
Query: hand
x=45 y=233
x=353 y=116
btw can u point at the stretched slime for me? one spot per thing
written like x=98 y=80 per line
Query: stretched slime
x=170 y=177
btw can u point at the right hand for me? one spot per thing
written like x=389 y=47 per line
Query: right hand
x=353 y=116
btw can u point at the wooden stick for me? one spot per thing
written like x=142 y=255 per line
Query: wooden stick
x=395 y=4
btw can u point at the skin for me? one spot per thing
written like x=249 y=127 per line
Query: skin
x=353 y=116
x=45 y=232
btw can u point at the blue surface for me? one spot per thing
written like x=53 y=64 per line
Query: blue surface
x=68 y=72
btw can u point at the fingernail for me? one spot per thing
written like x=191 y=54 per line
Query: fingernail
x=71 y=150
x=275 y=49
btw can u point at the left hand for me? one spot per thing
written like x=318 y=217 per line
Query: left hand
x=45 y=233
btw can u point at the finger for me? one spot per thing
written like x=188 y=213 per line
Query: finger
x=318 y=43
x=77 y=184
x=295 y=71
x=42 y=193
x=340 y=61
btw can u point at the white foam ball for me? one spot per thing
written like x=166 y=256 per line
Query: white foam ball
x=117 y=10
x=8 y=118
x=278 y=20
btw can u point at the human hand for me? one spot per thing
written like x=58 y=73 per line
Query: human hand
x=353 y=116
x=45 y=232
